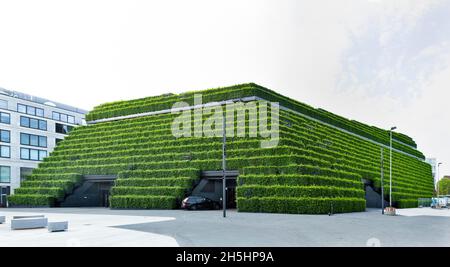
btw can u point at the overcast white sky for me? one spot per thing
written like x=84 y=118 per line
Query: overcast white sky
x=381 y=62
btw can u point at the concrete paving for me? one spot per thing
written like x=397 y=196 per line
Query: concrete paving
x=84 y=230
x=413 y=227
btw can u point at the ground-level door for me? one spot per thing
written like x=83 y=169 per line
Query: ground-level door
x=210 y=186
x=94 y=192
x=4 y=192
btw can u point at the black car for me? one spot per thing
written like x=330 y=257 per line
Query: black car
x=199 y=203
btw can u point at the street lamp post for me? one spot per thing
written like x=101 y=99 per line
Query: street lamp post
x=390 y=167
x=382 y=182
x=224 y=165
x=437 y=183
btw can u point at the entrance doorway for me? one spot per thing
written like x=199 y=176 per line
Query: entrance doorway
x=210 y=186
x=4 y=192
x=94 y=192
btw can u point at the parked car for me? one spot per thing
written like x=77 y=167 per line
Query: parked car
x=199 y=203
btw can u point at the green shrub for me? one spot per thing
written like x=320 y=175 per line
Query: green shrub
x=143 y=202
x=31 y=200
x=298 y=191
x=154 y=190
x=300 y=205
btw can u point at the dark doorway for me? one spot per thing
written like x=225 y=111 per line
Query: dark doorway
x=210 y=186
x=4 y=192
x=93 y=192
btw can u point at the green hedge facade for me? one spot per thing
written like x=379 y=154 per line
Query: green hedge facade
x=314 y=169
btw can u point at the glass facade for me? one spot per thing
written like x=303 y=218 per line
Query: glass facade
x=63 y=117
x=33 y=123
x=33 y=140
x=30 y=110
x=32 y=154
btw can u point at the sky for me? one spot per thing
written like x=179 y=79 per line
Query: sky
x=384 y=63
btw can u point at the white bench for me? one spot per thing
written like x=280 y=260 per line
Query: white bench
x=58 y=226
x=2 y=219
x=28 y=216
x=29 y=223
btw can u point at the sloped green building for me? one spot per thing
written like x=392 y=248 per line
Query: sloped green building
x=320 y=161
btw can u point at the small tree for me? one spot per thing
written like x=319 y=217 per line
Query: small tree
x=444 y=187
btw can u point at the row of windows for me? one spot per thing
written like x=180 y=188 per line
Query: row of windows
x=32 y=154
x=42 y=125
x=25 y=139
x=30 y=110
x=33 y=123
x=5 y=174
x=25 y=153
x=63 y=117
x=33 y=140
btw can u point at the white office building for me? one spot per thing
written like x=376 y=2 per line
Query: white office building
x=433 y=163
x=30 y=127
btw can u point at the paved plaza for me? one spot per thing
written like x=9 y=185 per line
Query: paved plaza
x=105 y=227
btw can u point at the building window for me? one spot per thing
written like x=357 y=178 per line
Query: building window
x=33 y=123
x=21 y=108
x=5 y=174
x=33 y=140
x=63 y=129
x=32 y=154
x=57 y=140
x=3 y=104
x=5 y=118
x=63 y=117
x=5 y=136
x=39 y=112
x=30 y=110
x=5 y=151
x=25 y=173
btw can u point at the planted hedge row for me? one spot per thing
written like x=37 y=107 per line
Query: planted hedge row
x=185 y=182
x=186 y=172
x=143 y=202
x=31 y=200
x=297 y=180
x=301 y=169
x=56 y=192
x=300 y=205
x=153 y=190
x=248 y=191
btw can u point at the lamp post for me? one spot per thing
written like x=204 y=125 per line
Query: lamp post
x=390 y=167
x=382 y=182
x=224 y=166
x=437 y=174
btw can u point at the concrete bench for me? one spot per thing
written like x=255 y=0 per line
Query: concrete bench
x=58 y=226
x=2 y=219
x=28 y=216
x=28 y=223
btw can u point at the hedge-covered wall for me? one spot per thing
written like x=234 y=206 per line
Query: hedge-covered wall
x=315 y=168
x=156 y=103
